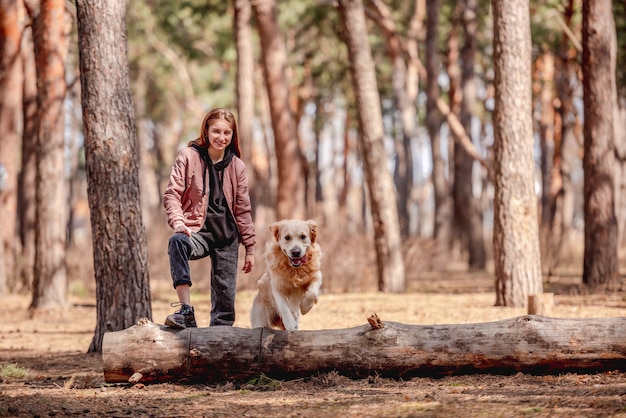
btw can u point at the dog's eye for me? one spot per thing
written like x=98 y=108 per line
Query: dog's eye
x=302 y=237
x=287 y=237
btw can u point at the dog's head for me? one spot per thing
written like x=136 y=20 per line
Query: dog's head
x=295 y=237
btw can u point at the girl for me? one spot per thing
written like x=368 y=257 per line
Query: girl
x=207 y=202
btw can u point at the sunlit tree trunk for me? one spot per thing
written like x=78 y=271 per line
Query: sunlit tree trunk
x=414 y=37
x=290 y=188
x=404 y=83
x=51 y=48
x=28 y=173
x=245 y=81
x=112 y=162
x=600 y=267
x=254 y=155
x=379 y=181
x=441 y=229
x=515 y=233
x=10 y=107
x=543 y=90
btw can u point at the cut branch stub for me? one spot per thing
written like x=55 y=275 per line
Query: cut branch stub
x=375 y=322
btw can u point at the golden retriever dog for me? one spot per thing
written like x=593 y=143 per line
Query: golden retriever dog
x=291 y=284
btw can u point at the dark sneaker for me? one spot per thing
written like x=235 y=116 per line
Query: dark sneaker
x=182 y=318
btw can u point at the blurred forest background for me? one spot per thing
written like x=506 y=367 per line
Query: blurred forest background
x=290 y=71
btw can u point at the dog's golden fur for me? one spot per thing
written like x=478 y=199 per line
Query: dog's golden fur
x=290 y=286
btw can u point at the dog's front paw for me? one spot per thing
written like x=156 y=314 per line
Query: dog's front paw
x=307 y=303
x=291 y=325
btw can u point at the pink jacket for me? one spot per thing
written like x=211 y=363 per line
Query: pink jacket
x=185 y=203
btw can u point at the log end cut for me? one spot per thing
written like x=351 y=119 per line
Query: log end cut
x=145 y=352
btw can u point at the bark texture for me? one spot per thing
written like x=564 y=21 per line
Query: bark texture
x=112 y=161
x=290 y=189
x=28 y=174
x=601 y=266
x=51 y=48
x=390 y=264
x=404 y=84
x=245 y=81
x=151 y=353
x=515 y=232
x=10 y=107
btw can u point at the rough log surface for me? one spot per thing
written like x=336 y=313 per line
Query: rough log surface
x=150 y=353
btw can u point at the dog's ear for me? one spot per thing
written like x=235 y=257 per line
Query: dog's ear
x=313 y=230
x=275 y=230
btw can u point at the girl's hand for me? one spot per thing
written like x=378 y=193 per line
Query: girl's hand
x=183 y=229
x=248 y=264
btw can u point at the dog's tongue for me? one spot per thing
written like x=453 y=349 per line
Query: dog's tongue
x=298 y=261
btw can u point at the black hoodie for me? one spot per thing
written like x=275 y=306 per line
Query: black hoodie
x=219 y=228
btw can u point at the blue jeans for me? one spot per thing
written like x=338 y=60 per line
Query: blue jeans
x=182 y=248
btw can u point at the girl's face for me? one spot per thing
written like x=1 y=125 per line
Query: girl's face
x=220 y=135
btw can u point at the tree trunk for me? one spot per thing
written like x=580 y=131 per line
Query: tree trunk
x=255 y=156
x=566 y=146
x=148 y=176
x=51 y=48
x=441 y=188
x=28 y=173
x=318 y=196
x=245 y=82
x=263 y=164
x=543 y=79
x=601 y=266
x=150 y=353
x=290 y=188
x=390 y=264
x=515 y=232
x=404 y=84
x=457 y=161
x=409 y=121
x=464 y=163
x=10 y=107
x=620 y=174
x=111 y=154
x=348 y=208
x=467 y=223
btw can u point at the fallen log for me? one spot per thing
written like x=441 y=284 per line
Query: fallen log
x=150 y=353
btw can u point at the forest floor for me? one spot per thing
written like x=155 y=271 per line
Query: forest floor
x=45 y=370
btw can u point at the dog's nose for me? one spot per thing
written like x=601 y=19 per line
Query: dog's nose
x=296 y=252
